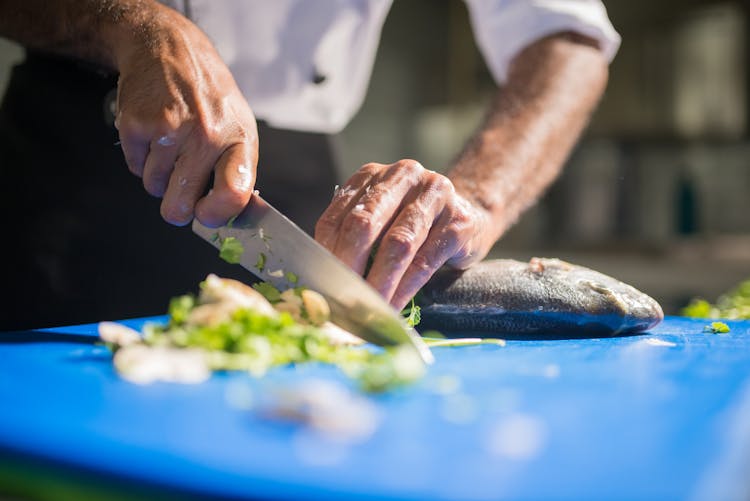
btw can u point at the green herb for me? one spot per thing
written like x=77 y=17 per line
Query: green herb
x=291 y=277
x=179 y=308
x=231 y=250
x=734 y=305
x=260 y=264
x=413 y=314
x=254 y=342
x=717 y=328
x=230 y=223
x=698 y=308
x=271 y=293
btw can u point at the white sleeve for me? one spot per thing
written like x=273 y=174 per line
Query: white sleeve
x=505 y=27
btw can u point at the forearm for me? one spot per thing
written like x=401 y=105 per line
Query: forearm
x=535 y=120
x=92 y=30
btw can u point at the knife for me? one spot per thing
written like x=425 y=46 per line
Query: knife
x=277 y=251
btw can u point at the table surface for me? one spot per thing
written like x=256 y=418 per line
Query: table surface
x=662 y=415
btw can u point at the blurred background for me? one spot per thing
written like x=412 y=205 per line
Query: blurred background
x=656 y=193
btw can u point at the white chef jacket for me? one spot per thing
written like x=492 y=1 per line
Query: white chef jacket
x=305 y=64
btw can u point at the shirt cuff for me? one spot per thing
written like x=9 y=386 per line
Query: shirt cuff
x=503 y=28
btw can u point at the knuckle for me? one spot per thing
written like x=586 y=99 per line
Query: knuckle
x=400 y=241
x=135 y=168
x=360 y=222
x=422 y=264
x=410 y=165
x=326 y=225
x=154 y=186
x=371 y=168
x=460 y=215
x=210 y=136
x=230 y=196
x=242 y=135
x=129 y=125
x=188 y=173
x=163 y=120
x=133 y=161
x=453 y=232
x=438 y=182
x=177 y=214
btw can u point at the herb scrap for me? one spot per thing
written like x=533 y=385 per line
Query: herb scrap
x=229 y=326
x=271 y=293
x=231 y=250
x=717 y=328
x=413 y=314
x=292 y=278
x=260 y=264
x=734 y=305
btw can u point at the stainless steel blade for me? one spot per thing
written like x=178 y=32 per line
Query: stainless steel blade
x=278 y=251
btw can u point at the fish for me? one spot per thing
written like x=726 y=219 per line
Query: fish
x=543 y=298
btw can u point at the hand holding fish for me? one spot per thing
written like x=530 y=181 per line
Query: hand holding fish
x=412 y=216
x=424 y=220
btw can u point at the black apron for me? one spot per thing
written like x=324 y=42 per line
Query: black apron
x=82 y=240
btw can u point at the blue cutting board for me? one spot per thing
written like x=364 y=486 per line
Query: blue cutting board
x=663 y=415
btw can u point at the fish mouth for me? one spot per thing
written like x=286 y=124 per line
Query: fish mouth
x=643 y=316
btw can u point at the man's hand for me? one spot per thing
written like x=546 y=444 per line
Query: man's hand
x=425 y=220
x=180 y=114
x=416 y=217
x=181 y=118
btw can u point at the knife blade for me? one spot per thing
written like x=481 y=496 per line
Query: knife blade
x=277 y=251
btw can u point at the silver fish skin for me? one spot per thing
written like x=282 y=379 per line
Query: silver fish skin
x=542 y=298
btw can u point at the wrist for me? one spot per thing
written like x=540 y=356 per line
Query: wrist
x=134 y=27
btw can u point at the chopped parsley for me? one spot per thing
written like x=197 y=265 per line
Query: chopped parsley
x=734 y=305
x=292 y=278
x=271 y=293
x=230 y=326
x=254 y=342
x=717 y=328
x=413 y=314
x=260 y=264
x=231 y=250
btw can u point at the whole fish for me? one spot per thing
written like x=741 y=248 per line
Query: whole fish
x=544 y=297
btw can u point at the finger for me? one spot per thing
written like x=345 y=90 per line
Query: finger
x=135 y=143
x=135 y=151
x=373 y=213
x=442 y=242
x=468 y=222
x=160 y=164
x=407 y=235
x=234 y=180
x=344 y=200
x=186 y=185
x=134 y=146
